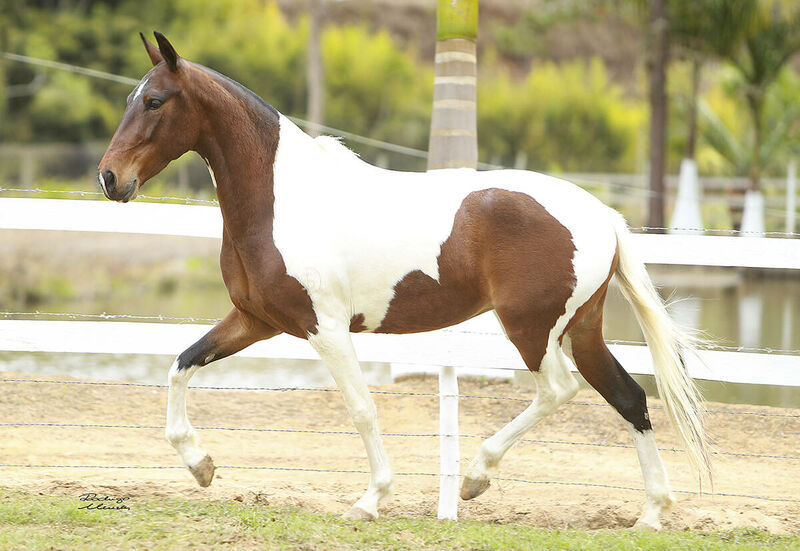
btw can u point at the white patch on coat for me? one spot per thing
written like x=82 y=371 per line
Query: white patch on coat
x=360 y=229
x=102 y=182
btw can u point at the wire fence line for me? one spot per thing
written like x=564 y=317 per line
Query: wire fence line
x=348 y=433
x=388 y=434
x=379 y=392
x=438 y=475
x=182 y=320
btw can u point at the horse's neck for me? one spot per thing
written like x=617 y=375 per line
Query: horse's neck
x=240 y=153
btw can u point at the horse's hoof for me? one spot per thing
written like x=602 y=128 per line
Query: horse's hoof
x=646 y=526
x=203 y=471
x=357 y=513
x=473 y=487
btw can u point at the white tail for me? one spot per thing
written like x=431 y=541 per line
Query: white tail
x=668 y=345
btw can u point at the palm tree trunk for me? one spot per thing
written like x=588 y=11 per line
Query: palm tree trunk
x=691 y=138
x=755 y=104
x=454 y=138
x=315 y=108
x=658 y=50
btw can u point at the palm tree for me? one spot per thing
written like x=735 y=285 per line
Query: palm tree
x=772 y=39
x=703 y=30
x=315 y=110
x=453 y=137
x=757 y=37
x=658 y=52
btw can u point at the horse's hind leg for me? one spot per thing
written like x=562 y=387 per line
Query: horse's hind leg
x=606 y=375
x=232 y=334
x=554 y=386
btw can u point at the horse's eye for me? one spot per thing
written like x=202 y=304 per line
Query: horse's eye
x=154 y=103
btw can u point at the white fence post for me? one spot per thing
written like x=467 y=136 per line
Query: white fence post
x=791 y=195
x=449 y=453
x=686 y=216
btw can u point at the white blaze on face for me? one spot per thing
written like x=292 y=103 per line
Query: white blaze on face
x=102 y=182
x=139 y=89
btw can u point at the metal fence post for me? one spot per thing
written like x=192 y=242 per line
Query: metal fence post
x=449 y=452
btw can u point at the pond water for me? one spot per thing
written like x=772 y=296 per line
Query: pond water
x=733 y=307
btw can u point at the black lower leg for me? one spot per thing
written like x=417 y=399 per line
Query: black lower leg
x=630 y=401
x=606 y=375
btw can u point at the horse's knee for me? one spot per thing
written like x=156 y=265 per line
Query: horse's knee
x=363 y=413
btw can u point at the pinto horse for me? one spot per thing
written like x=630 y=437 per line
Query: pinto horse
x=319 y=244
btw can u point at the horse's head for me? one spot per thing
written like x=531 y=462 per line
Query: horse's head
x=161 y=123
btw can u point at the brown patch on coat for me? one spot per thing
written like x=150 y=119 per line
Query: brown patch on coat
x=357 y=324
x=505 y=252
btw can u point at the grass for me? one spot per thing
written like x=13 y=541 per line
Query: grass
x=29 y=521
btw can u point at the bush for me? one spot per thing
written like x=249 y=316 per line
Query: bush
x=565 y=118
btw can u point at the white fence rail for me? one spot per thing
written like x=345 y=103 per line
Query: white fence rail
x=462 y=346
x=201 y=221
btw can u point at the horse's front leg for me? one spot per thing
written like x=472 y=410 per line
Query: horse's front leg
x=334 y=346
x=237 y=331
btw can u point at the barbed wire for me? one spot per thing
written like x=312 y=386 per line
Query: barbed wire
x=660 y=229
x=82 y=193
x=383 y=392
x=180 y=320
x=387 y=434
x=358 y=471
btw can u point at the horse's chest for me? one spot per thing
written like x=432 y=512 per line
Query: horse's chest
x=258 y=283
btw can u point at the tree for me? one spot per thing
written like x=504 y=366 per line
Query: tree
x=453 y=136
x=772 y=39
x=703 y=30
x=658 y=52
x=315 y=75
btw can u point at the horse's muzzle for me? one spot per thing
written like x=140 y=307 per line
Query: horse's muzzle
x=113 y=190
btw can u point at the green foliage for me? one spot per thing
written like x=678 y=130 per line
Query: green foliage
x=570 y=116
x=565 y=118
x=374 y=88
x=457 y=19
x=729 y=137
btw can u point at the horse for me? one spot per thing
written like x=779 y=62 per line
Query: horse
x=319 y=244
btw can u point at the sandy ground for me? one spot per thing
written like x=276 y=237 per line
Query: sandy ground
x=542 y=505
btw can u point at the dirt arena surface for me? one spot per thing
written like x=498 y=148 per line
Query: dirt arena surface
x=541 y=505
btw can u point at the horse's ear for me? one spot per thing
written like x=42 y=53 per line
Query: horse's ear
x=167 y=51
x=152 y=51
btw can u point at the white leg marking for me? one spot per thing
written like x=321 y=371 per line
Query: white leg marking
x=554 y=386
x=656 y=483
x=179 y=431
x=336 y=349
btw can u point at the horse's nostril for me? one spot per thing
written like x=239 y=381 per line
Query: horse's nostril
x=110 y=180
